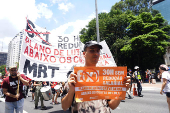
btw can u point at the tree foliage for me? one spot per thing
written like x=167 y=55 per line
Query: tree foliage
x=148 y=41
x=136 y=6
x=134 y=35
x=2 y=69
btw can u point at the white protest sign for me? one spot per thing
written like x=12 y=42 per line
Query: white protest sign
x=42 y=60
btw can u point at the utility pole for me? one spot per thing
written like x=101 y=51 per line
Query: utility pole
x=2 y=46
x=97 y=23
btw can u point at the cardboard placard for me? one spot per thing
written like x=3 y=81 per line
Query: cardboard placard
x=95 y=83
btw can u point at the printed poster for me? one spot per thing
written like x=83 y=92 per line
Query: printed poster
x=95 y=83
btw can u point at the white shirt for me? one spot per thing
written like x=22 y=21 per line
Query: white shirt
x=166 y=75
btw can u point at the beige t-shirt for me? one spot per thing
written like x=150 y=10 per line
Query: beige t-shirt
x=95 y=106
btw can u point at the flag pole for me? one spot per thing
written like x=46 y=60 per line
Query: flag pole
x=97 y=23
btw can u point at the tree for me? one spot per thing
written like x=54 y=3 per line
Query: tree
x=124 y=26
x=112 y=26
x=148 y=41
x=136 y=6
x=2 y=69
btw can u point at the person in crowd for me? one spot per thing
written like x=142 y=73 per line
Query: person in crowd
x=159 y=76
x=62 y=87
x=91 y=54
x=12 y=88
x=54 y=91
x=129 y=73
x=45 y=83
x=27 y=87
x=137 y=76
x=38 y=94
x=1 y=82
x=32 y=90
x=148 y=75
x=166 y=82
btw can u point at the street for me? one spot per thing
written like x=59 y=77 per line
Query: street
x=152 y=102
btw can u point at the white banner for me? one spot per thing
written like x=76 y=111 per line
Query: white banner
x=42 y=60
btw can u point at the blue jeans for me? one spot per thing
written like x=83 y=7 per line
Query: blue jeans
x=17 y=105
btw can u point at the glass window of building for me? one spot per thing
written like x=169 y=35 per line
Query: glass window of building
x=163 y=6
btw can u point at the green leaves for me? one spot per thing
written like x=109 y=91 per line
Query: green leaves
x=134 y=35
x=2 y=69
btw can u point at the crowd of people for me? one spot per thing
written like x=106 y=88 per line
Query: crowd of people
x=15 y=84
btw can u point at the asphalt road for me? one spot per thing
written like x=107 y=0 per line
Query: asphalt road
x=152 y=102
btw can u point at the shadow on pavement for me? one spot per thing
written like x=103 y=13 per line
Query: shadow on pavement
x=60 y=111
x=49 y=107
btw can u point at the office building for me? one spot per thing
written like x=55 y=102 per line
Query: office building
x=163 y=7
x=3 y=58
x=14 y=49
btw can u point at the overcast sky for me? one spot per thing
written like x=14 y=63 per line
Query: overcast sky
x=57 y=16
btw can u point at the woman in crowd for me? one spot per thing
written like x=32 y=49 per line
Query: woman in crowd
x=148 y=75
x=54 y=91
x=166 y=82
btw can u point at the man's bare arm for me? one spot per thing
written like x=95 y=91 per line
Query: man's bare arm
x=25 y=82
x=67 y=100
x=113 y=104
x=5 y=91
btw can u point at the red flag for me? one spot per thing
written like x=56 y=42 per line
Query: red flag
x=6 y=71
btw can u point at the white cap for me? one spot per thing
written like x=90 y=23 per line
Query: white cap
x=136 y=67
x=11 y=67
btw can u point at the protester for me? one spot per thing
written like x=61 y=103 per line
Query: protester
x=14 y=97
x=91 y=53
x=137 y=76
x=45 y=83
x=166 y=82
x=159 y=76
x=148 y=75
x=32 y=89
x=53 y=84
x=1 y=82
x=38 y=95
x=27 y=87
x=129 y=73
x=62 y=87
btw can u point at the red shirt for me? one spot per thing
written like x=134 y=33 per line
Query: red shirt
x=8 y=83
x=53 y=84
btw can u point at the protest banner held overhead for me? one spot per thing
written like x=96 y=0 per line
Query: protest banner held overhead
x=95 y=83
x=45 y=60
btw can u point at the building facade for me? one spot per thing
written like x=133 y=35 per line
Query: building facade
x=14 y=49
x=163 y=7
x=3 y=58
x=167 y=57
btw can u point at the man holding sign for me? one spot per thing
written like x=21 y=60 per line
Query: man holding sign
x=12 y=88
x=91 y=53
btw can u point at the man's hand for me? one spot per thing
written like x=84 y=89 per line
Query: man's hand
x=72 y=82
x=18 y=75
x=161 y=92
x=17 y=96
